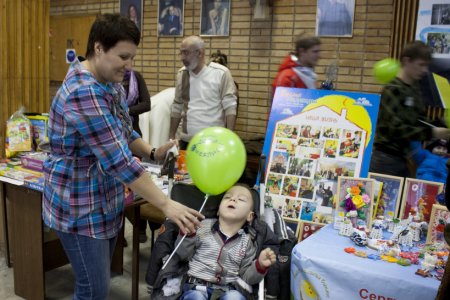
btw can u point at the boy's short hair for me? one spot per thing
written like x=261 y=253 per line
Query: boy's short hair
x=416 y=50
x=304 y=41
x=253 y=194
x=109 y=29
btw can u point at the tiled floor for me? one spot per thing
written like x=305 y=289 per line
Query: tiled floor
x=59 y=282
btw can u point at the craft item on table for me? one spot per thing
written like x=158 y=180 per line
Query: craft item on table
x=359 y=237
x=405 y=238
x=379 y=244
x=441 y=254
x=440 y=271
x=404 y=262
x=392 y=224
x=350 y=250
x=423 y=273
x=346 y=228
x=389 y=258
x=414 y=228
x=413 y=257
x=429 y=262
x=439 y=276
x=362 y=254
x=377 y=229
x=355 y=201
x=374 y=256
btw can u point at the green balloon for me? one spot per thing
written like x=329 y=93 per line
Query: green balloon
x=385 y=70
x=215 y=159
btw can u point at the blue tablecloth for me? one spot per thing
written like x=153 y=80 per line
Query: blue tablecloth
x=321 y=269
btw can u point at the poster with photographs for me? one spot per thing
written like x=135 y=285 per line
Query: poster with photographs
x=440 y=216
x=313 y=137
x=354 y=202
x=433 y=26
x=419 y=197
x=391 y=191
x=307 y=229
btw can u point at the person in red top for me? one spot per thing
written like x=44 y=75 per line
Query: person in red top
x=297 y=69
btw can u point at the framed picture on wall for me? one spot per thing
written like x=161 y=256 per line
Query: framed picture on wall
x=440 y=216
x=215 y=18
x=390 y=198
x=335 y=18
x=419 y=197
x=132 y=9
x=170 y=17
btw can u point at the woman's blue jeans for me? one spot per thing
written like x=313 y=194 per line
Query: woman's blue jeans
x=91 y=263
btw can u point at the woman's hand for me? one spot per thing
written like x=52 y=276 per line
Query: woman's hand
x=161 y=152
x=186 y=218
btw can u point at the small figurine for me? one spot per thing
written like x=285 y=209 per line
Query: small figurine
x=392 y=224
x=405 y=238
x=414 y=228
x=359 y=237
x=377 y=229
x=429 y=262
x=346 y=228
x=423 y=273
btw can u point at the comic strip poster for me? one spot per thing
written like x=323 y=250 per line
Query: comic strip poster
x=312 y=138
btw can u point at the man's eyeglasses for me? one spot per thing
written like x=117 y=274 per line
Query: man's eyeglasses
x=186 y=52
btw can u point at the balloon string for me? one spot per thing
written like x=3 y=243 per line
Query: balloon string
x=184 y=236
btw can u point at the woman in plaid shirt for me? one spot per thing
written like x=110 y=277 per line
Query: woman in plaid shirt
x=92 y=145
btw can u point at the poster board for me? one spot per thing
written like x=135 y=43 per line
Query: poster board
x=312 y=138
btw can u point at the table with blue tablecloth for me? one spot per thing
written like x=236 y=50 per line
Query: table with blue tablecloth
x=321 y=269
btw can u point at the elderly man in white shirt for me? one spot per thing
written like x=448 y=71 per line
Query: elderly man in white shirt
x=205 y=94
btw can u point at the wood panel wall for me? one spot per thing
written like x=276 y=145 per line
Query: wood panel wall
x=24 y=58
x=404 y=25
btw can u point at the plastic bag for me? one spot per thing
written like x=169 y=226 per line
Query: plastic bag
x=18 y=134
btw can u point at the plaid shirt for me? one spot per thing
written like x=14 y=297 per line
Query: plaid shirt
x=398 y=122
x=90 y=160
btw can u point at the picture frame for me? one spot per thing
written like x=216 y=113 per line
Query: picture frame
x=170 y=18
x=307 y=229
x=391 y=195
x=419 y=197
x=215 y=18
x=335 y=18
x=363 y=190
x=440 y=216
x=293 y=224
x=133 y=9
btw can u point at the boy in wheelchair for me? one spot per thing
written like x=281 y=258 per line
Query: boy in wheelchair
x=225 y=259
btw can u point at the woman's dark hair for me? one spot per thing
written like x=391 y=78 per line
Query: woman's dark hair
x=109 y=29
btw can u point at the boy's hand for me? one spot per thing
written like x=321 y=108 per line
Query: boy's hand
x=267 y=258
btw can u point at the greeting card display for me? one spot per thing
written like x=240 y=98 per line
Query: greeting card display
x=313 y=137
x=440 y=216
x=419 y=197
x=354 y=202
x=390 y=198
